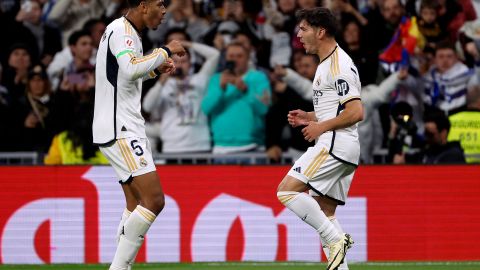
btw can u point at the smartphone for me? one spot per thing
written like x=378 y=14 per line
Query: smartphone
x=76 y=78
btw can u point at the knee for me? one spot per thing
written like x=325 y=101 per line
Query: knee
x=155 y=203
x=285 y=197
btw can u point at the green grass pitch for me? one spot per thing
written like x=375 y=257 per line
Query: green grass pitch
x=263 y=266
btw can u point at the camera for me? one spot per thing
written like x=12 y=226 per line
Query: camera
x=230 y=66
x=402 y=114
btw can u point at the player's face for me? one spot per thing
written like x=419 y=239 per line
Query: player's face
x=155 y=10
x=308 y=37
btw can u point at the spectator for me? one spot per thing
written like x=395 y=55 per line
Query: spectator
x=71 y=15
x=370 y=129
x=363 y=56
x=236 y=103
x=300 y=79
x=38 y=111
x=75 y=145
x=76 y=56
x=428 y=22
x=453 y=14
x=438 y=150
x=48 y=38
x=13 y=32
x=180 y=14
x=96 y=28
x=290 y=93
x=447 y=81
x=465 y=126
x=175 y=101
x=233 y=19
x=383 y=23
x=15 y=75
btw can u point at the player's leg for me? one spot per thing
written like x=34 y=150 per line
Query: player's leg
x=146 y=188
x=330 y=189
x=329 y=206
x=131 y=204
x=291 y=193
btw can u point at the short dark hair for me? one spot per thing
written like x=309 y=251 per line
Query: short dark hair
x=237 y=44
x=438 y=117
x=444 y=45
x=134 y=3
x=319 y=17
x=430 y=4
x=178 y=30
x=88 y=26
x=75 y=36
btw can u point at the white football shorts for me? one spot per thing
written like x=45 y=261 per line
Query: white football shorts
x=325 y=175
x=129 y=157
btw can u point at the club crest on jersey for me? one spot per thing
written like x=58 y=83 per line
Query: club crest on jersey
x=317 y=82
x=342 y=87
x=143 y=162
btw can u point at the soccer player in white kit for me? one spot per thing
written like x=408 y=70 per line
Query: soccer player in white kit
x=327 y=168
x=118 y=126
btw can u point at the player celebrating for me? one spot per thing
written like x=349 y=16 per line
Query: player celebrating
x=118 y=126
x=326 y=169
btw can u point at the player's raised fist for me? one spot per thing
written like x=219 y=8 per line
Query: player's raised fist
x=176 y=48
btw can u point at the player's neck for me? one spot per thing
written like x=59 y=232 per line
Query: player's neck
x=326 y=48
x=135 y=18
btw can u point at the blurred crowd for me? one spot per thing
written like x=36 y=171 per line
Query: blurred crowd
x=245 y=69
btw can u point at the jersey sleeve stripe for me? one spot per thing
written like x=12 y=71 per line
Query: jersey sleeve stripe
x=343 y=102
x=136 y=60
x=123 y=53
x=165 y=53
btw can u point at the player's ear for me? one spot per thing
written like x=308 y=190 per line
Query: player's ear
x=143 y=6
x=321 y=32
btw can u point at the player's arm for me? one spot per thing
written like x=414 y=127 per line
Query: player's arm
x=122 y=46
x=312 y=116
x=352 y=114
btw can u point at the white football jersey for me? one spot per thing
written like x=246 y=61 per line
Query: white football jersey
x=120 y=70
x=336 y=83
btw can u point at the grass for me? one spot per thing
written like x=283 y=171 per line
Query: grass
x=262 y=266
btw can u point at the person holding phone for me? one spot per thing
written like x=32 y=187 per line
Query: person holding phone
x=236 y=102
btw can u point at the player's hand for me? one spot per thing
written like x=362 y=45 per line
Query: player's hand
x=297 y=118
x=176 y=47
x=312 y=131
x=167 y=67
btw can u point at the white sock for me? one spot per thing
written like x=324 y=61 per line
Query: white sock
x=306 y=208
x=125 y=216
x=334 y=221
x=131 y=240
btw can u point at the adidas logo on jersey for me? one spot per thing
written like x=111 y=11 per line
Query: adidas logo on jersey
x=298 y=169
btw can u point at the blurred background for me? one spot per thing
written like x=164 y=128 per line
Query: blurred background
x=419 y=65
x=417 y=60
